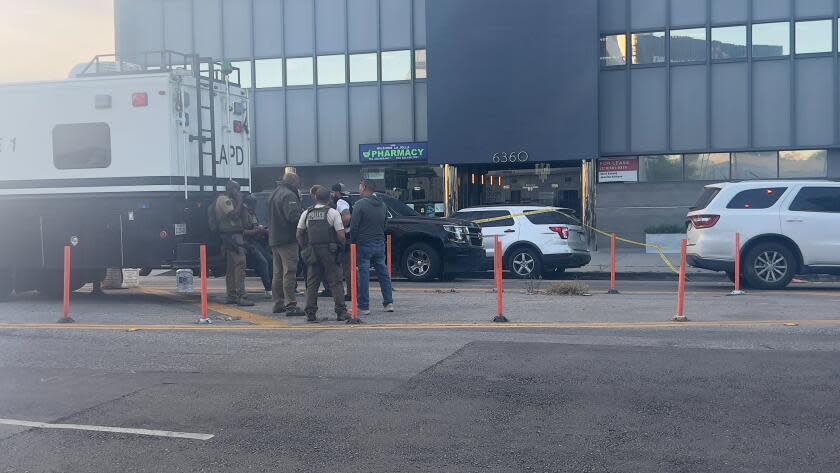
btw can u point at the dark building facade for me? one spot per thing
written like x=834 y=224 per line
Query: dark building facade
x=622 y=109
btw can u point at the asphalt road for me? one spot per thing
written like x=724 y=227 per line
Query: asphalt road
x=677 y=399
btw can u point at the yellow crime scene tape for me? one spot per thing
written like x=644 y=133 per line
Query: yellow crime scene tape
x=659 y=249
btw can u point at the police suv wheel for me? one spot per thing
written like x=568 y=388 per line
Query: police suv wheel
x=7 y=284
x=420 y=262
x=524 y=263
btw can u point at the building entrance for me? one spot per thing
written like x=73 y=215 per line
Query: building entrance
x=540 y=184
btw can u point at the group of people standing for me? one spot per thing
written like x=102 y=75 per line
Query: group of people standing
x=321 y=235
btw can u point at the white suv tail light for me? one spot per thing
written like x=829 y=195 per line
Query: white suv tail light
x=562 y=232
x=704 y=221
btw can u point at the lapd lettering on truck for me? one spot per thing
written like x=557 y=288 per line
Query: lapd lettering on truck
x=235 y=154
x=8 y=145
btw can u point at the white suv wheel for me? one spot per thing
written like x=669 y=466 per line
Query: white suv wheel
x=771 y=266
x=524 y=263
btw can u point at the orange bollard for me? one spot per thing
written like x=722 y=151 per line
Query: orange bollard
x=354 y=283
x=737 y=291
x=390 y=243
x=680 y=317
x=498 y=268
x=66 y=318
x=613 y=289
x=204 y=319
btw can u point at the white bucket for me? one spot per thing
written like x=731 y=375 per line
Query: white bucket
x=184 y=278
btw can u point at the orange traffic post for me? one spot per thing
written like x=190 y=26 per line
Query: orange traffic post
x=66 y=318
x=204 y=318
x=680 y=317
x=737 y=291
x=354 y=283
x=498 y=269
x=390 y=264
x=613 y=289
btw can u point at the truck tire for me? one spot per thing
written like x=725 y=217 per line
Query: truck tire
x=421 y=263
x=7 y=284
x=769 y=266
x=524 y=263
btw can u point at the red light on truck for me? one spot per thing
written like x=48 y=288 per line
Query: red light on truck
x=237 y=126
x=140 y=99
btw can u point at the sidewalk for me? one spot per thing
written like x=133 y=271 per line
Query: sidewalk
x=633 y=261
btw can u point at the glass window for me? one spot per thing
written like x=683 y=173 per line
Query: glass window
x=81 y=146
x=299 y=71
x=331 y=70
x=666 y=168
x=813 y=36
x=420 y=70
x=363 y=67
x=614 y=50
x=707 y=167
x=244 y=74
x=771 y=39
x=396 y=65
x=817 y=199
x=755 y=165
x=506 y=222
x=269 y=73
x=649 y=48
x=551 y=218
x=808 y=163
x=763 y=198
x=688 y=45
x=729 y=42
x=706 y=198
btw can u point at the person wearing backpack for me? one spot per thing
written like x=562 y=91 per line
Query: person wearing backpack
x=226 y=216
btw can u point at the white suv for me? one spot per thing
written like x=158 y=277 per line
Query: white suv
x=787 y=228
x=535 y=240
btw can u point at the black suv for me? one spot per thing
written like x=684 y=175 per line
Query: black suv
x=424 y=248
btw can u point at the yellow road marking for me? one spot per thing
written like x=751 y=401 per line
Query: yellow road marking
x=233 y=312
x=432 y=326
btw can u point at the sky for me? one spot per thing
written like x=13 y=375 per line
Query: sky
x=45 y=39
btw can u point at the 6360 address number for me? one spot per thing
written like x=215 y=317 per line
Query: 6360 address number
x=512 y=157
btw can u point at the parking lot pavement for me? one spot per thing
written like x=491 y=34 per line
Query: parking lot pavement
x=463 y=302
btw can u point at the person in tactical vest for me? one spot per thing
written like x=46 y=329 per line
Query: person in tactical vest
x=228 y=210
x=341 y=203
x=320 y=233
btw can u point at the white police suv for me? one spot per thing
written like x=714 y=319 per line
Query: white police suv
x=787 y=228
x=535 y=240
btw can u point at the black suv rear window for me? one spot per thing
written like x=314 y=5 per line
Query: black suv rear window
x=550 y=218
x=706 y=198
x=763 y=198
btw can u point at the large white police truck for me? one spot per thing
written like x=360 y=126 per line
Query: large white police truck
x=119 y=162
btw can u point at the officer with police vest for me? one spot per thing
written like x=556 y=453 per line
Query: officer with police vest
x=320 y=233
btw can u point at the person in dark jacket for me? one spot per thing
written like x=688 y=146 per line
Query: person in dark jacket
x=367 y=231
x=283 y=215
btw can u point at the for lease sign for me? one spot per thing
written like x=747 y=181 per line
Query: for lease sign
x=618 y=170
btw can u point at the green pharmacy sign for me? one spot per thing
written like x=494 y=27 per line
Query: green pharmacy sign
x=393 y=152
